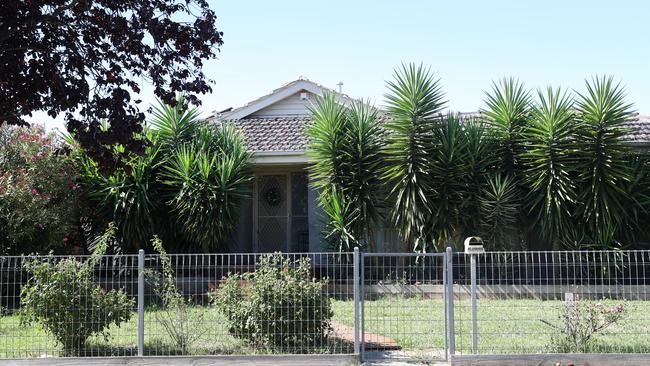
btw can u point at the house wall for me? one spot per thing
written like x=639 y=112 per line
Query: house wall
x=315 y=219
x=290 y=106
x=387 y=239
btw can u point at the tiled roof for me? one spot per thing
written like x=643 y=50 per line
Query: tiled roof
x=274 y=134
x=286 y=134
x=638 y=130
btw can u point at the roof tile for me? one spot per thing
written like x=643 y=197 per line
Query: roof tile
x=274 y=134
x=286 y=134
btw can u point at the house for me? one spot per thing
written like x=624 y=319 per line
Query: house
x=283 y=211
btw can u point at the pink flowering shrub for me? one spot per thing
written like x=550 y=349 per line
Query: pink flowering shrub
x=38 y=192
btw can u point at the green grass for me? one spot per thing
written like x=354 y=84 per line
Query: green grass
x=504 y=326
x=417 y=325
x=17 y=340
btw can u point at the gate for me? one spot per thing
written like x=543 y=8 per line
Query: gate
x=404 y=306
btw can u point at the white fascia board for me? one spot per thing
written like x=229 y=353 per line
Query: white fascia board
x=280 y=157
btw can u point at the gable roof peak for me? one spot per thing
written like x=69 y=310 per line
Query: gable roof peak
x=288 y=89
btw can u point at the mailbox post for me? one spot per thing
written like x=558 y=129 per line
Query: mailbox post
x=474 y=246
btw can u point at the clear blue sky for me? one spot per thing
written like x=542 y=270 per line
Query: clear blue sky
x=467 y=43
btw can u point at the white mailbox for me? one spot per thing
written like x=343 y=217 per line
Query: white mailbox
x=474 y=245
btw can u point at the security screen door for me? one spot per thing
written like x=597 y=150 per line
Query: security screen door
x=272 y=213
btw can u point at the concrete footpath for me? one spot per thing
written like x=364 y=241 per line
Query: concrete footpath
x=298 y=360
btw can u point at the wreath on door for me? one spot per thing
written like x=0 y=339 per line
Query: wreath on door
x=273 y=196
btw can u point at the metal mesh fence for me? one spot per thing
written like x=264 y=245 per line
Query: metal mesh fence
x=205 y=304
x=554 y=302
x=304 y=303
x=404 y=304
x=70 y=307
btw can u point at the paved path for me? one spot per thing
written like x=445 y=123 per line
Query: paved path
x=402 y=363
x=373 y=341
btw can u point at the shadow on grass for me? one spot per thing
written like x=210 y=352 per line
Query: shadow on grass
x=158 y=347
x=619 y=348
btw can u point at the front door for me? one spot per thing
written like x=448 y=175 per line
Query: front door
x=272 y=213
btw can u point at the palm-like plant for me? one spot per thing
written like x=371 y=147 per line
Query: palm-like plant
x=451 y=180
x=129 y=198
x=604 y=171
x=174 y=125
x=550 y=164
x=637 y=199
x=345 y=144
x=499 y=208
x=327 y=142
x=186 y=187
x=414 y=103
x=364 y=141
x=209 y=183
x=478 y=163
x=339 y=228
x=508 y=110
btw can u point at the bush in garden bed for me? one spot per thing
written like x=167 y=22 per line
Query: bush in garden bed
x=278 y=307
x=63 y=297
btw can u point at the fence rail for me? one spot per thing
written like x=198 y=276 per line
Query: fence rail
x=413 y=305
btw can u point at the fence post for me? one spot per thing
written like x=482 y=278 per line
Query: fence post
x=362 y=328
x=357 y=322
x=444 y=303
x=141 y=302
x=474 y=320
x=450 y=300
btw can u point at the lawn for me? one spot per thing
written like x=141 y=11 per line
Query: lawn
x=417 y=325
x=17 y=340
x=504 y=326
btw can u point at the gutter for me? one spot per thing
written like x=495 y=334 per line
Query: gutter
x=280 y=157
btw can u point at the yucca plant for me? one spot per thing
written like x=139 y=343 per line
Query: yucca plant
x=210 y=182
x=186 y=187
x=339 y=234
x=174 y=125
x=457 y=170
x=345 y=143
x=479 y=162
x=507 y=111
x=499 y=208
x=414 y=103
x=604 y=170
x=127 y=197
x=550 y=164
x=637 y=200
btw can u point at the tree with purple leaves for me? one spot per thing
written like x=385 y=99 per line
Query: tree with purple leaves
x=86 y=59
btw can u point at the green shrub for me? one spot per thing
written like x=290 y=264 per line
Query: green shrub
x=62 y=296
x=278 y=307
